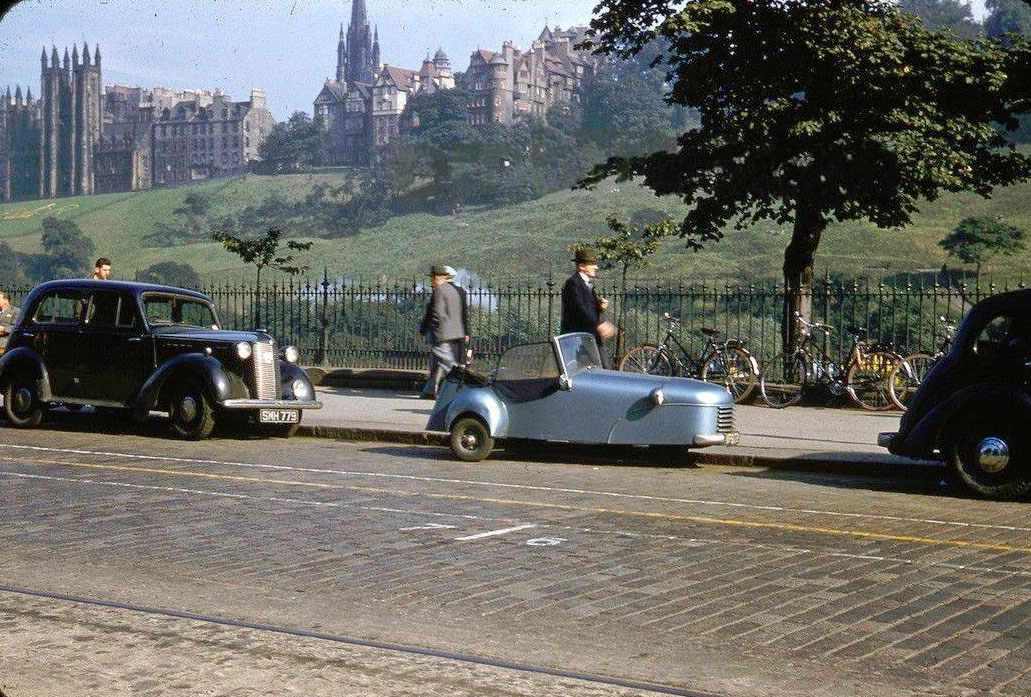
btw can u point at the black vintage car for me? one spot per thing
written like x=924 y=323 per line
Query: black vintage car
x=129 y=348
x=973 y=410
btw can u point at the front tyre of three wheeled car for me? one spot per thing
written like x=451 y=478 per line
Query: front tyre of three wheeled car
x=988 y=452
x=470 y=439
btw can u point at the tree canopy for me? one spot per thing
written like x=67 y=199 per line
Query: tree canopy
x=978 y=238
x=819 y=111
x=69 y=251
x=296 y=144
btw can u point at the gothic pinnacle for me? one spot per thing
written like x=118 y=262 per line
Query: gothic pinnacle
x=96 y=56
x=85 y=53
x=75 y=53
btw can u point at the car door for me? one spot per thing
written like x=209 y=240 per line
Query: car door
x=116 y=352
x=58 y=323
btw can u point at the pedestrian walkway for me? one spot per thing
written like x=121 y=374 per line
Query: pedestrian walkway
x=798 y=434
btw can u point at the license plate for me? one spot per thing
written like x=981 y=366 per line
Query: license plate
x=278 y=416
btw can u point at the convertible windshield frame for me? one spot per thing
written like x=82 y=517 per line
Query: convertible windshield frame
x=177 y=301
x=578 y=353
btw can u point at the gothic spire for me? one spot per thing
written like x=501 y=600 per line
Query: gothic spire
x=43 y=58
x=341 y=31
x=96 y=56
x=75 y=53
x=28 y=95
x=358 y=15
x=55 y=61
x=67 y=60
x=17 y=96
x=85 y=53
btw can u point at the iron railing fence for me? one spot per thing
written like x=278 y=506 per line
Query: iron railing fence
x=340 y=323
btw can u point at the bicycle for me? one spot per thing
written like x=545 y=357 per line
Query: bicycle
x=909 y=374
x=788 y=375
x=727 y=362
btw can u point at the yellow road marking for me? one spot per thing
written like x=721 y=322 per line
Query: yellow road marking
x=733 y=522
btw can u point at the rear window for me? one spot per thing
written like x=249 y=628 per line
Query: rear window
x=60 y=307
x=176 y=309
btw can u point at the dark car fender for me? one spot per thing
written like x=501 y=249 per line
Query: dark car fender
x=925 y=436
x=205 y=368
x=289 y=372
x=23 y=358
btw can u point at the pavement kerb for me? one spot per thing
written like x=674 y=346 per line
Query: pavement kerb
x=855 y=464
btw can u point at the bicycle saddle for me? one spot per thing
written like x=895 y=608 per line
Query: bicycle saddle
x=708 y=331
x=856 y=330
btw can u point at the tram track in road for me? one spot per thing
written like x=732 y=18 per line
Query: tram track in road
x=395 y=647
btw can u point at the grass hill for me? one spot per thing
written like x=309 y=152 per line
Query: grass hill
x=520 y=241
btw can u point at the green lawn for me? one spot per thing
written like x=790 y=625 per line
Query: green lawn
x=522 y=241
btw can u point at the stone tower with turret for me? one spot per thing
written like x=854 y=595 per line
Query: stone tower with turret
x=358 y=57
x=19 y=145
x=70 y=122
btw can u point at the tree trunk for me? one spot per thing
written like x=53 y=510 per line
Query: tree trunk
x=798 y=272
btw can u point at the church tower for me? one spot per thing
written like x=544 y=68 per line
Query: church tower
x=361 y=65
x=70 y=122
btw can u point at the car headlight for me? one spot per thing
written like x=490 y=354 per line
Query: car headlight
x=658 y=396
x=290 y=354
x=300 y=389
x=244 y=350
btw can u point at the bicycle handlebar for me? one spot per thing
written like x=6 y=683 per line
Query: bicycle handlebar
x=826 y=328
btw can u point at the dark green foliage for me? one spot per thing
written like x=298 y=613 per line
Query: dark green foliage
x=69 y=252
x=294 y=145
x=977 y=239
x=821 y=111
x=11 y=266
x=170 y=273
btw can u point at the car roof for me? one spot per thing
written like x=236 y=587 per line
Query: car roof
x=1019 y=300
x=130 y=286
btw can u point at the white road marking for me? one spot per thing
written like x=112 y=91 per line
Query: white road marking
x=546 y=541
x=532 y=487
x=428 y=526
x=494 y=533
x=689 y=541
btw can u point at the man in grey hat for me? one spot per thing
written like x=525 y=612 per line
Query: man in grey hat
x=443 y=329
x=465 y=353
x=8 y=316
x=581 y=307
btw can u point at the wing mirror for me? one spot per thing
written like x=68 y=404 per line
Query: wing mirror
x=564 y=383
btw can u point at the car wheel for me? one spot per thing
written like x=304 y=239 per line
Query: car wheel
x=470 y=439
x=22 y=405
x=189 y=412
x=989 y=455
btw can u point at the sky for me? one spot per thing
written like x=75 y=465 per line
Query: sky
x=285 y=47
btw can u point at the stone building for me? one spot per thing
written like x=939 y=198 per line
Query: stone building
x=19 y=146
x=198 y=138
x=362 y=108
x=124 y=157
x=70 y=123
x=511 y=85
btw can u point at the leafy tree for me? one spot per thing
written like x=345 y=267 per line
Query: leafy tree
x=977 y=239
x=1006 y=16
x=627 y=248
x=818 y=111
x=11 y=271
x=170 y=273
x=944 y=15
x=262 y=252
x=296 y=144
x=70 y=252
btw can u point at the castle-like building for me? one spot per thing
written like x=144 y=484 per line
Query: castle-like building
x=75 y=139
x=363 y=108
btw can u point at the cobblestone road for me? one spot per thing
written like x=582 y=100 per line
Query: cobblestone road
x=733 y=581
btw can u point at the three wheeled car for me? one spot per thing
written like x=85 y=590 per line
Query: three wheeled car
x=973 y=409
x=557 y=391
x=128 y=348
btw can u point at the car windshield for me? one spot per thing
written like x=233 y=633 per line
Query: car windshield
x=579 y=353
x=175 y=309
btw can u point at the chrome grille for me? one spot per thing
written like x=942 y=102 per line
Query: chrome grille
x=266 y=370
x=725 y=419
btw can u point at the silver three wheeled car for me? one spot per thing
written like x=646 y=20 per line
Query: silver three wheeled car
x=557 y=391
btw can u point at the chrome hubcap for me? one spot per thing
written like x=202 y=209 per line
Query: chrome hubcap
x=187 y=409
x=22 y=399
x=992 y=454
x=469 y=440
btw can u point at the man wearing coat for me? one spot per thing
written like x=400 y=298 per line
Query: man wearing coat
x=443 y=329
x=581 y=307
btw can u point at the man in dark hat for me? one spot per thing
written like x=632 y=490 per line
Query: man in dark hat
x=581 y=307
x=442 y=326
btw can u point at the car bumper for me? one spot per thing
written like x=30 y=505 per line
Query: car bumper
x=884 y=439
x=732 y=438
x=270 y=404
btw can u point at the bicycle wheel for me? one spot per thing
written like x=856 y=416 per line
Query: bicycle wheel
x=867 y=381
x=782 y=380
x=907 y=376
x=734 y=370
x=647 y=358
